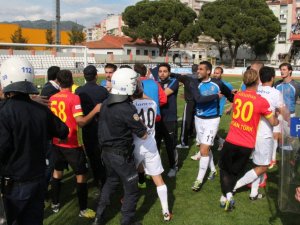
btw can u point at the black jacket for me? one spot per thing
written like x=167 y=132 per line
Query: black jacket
x=49 y=90
x=118 y=119
x=25 y=128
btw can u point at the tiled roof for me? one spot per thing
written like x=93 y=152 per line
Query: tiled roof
x=114 y=42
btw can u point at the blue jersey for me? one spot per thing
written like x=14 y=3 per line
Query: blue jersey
x=206 y=96
x=223 y=99
x=151 y=90
x=243 y=87
x=290 y=92
x=103 y=83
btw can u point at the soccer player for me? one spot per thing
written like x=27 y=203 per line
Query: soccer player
x=109 y=70
x=290 y=90
x=248 y=106
x=264 y=140
x=151 y=89
x=166 y=128
x=207 y=93
x=154 y=91
x=146 y=153
x=67 y=107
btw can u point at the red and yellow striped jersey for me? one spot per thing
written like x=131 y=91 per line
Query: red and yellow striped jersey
x=67 y=107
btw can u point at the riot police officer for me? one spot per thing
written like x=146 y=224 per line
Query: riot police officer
x=118 y=119
x=25 y=126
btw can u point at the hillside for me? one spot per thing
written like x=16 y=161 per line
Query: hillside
x=44 y=24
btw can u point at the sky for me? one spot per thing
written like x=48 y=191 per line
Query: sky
x=85 y=12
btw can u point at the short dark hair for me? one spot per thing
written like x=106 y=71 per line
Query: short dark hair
x=220 y=68
x=266 y=74
x=65 y=78
x=194 y=68
x=141 y=69
x=207 y=64
x=111 y=65
x=90 y=73
x=52 y=72
x=165 y=65
x=288 y=65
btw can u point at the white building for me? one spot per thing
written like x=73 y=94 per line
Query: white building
x=112 y=25
x=196 y=4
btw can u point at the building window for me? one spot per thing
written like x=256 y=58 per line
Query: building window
x=282 y=37
x=138 y=52
x=145 y=52
x=128 y=51
x=153 y=52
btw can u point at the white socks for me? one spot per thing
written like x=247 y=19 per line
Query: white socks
x=162 y=193
x=203 y=164
x=275 y=145
x=255 y=186
x=211 y=162
x=228 y=196
x=249 y=177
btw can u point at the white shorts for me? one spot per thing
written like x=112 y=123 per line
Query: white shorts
x=262 y=154
x=146 y=152
x=206 y=130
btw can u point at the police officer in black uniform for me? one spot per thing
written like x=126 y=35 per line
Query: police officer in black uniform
x=118 y=119
x=25 y=126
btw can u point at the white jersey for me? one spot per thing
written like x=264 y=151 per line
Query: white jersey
x=145 y=151
x=147 y=112
x=275 y=99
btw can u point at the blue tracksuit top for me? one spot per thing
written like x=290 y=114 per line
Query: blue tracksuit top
x=151 y=90
x=206 y=97
x=290 y=92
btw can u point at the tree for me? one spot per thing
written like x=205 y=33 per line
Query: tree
x=167 y=22
x=263 y=48
x=76 y=36
x=49 y=36
x=239 y=22
x=17 y=37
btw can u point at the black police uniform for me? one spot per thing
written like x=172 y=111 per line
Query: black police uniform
x=118 y=119
x=90 y=95
x=25 y=128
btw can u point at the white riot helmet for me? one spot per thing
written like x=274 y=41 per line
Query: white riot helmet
x=124 y=82
x=17 y=75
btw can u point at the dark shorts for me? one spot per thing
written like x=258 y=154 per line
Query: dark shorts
x=75 y=157
x=234 y=158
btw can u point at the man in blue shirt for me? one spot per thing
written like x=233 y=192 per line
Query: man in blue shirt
x=289 y=88
x=167 y=127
